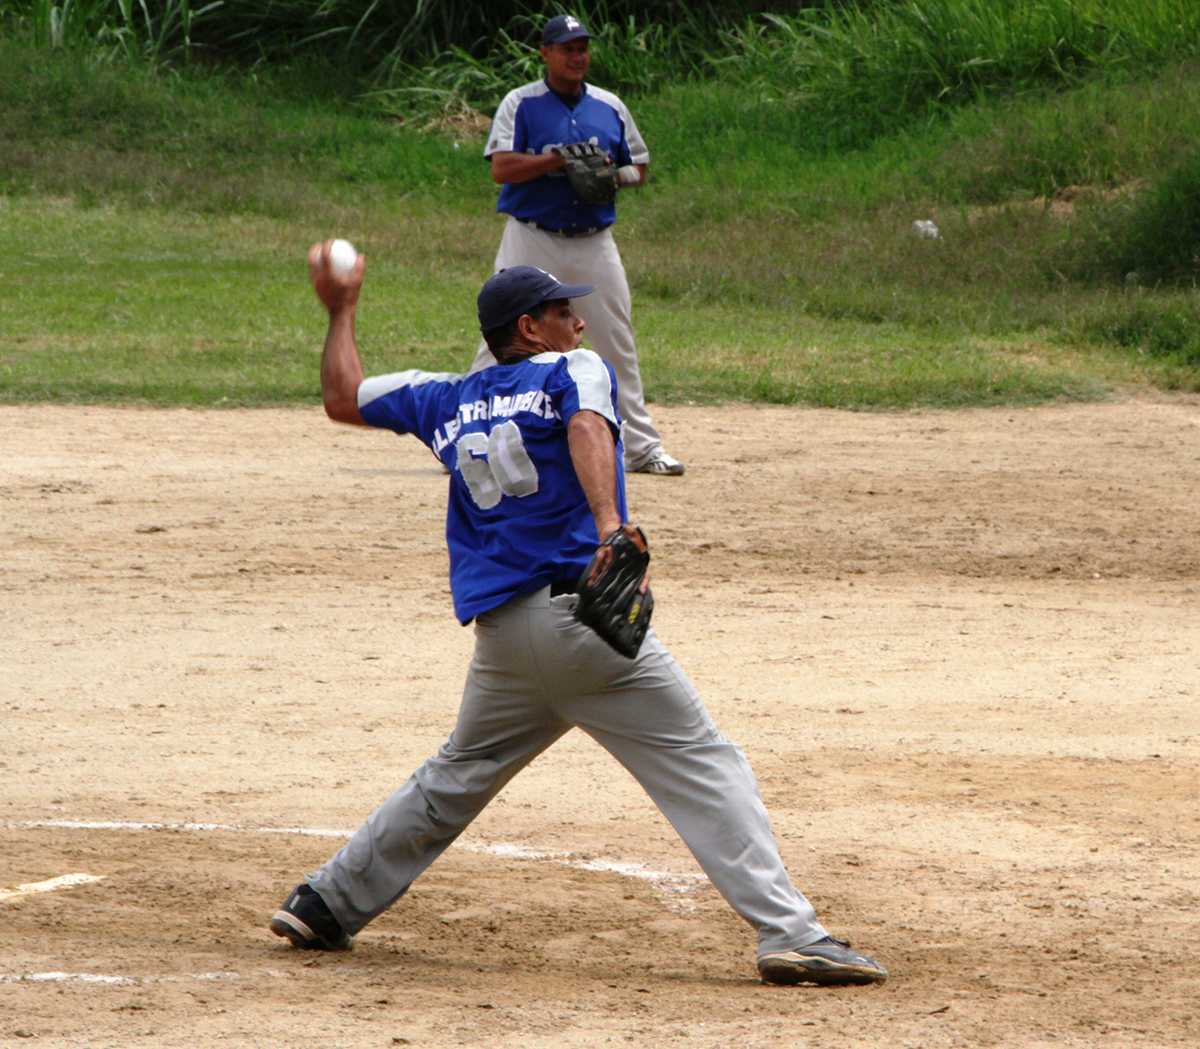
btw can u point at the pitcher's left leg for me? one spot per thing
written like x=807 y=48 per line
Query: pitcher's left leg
x=646 y=713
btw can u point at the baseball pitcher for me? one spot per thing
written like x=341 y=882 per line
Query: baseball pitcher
x=545 y=561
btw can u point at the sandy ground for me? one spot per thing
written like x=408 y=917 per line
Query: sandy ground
x=960 y=650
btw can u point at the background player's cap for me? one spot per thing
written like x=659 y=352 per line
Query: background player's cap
x=562 y=28
x=516 y=290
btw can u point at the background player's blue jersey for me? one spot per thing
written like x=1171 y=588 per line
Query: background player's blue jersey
x=533 y=119
x=517 y=517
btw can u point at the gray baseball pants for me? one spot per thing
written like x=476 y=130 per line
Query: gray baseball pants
x=537 y=673
x=607 y=312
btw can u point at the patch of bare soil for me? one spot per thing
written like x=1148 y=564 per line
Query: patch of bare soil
x=960 y=650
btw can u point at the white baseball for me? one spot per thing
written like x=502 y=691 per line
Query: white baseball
x=342 y=256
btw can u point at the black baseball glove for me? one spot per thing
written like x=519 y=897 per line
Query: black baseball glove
x=591 y=172
x=609 y=601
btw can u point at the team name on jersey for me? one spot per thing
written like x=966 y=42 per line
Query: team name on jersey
x=534 y=401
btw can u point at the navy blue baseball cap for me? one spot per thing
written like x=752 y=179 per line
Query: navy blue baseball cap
x=562 y=28
x=515 y=291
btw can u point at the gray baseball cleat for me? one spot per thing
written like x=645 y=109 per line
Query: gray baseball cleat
x=828 y=962
x=305 y=921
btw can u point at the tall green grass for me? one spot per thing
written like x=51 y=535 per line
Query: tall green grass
x=100 y=132
x=863 y=70
x=372 y=38
x=628 y=54
x=108 y=29
x=858 y=69
x=836 y=75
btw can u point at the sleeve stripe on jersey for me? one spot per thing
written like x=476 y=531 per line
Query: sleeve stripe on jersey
x=380 y=385
x=500 y=139
x=592 y=380
x=638 y=153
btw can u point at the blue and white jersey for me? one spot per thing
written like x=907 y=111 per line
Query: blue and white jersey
x=517 y=517
x=533 y=119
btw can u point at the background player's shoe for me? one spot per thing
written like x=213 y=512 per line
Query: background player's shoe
x=660 y=463
x=307 y=922
x=828 y=962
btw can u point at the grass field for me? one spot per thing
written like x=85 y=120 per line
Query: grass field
x=153 y=222
x=165 y=307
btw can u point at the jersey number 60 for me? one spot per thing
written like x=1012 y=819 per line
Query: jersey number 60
x=495 y=465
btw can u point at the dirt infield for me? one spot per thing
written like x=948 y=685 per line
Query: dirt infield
x=960 y=649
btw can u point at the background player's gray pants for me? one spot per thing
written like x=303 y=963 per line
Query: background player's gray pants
x=607 y=312
x=535 y=674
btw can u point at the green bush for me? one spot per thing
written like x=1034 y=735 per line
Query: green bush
x=1143 y=235
x=1165 y=329
x=1159 y=238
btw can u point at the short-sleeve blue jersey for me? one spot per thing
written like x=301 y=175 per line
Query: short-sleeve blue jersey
x=533 y=119
x=517 y=517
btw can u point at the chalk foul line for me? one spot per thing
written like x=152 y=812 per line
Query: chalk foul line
x=675 y=883
x=669 y=881
x=63 y=881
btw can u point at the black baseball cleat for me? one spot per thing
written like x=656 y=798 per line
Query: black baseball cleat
x=305 y=921
x=828 y=962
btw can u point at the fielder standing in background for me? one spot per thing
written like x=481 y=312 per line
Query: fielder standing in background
x=533 y=446
x=552 y=227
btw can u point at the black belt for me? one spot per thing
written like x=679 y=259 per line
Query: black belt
x=566 y=231
x=563 y=586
